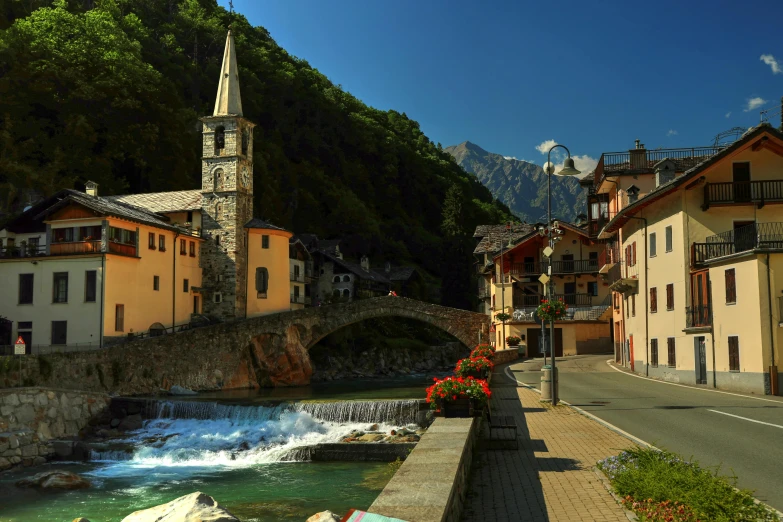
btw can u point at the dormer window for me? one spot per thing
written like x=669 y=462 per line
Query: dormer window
x=633 y=193
x=220 y=139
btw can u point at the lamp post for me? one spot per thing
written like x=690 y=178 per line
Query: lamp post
x=502 y=284
x=567 y=170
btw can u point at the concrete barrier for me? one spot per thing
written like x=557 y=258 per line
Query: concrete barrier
x=431 y=484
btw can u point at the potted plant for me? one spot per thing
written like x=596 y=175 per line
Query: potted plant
x=458 y=397
x=502 y=317
x=513 y=340
x=476 y=367
x=552 y=310
x=483 y=350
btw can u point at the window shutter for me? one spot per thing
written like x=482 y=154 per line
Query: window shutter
x=653 y=299
x=262 y=280
x=652 y=245
x=731 y=286
x=634 y=253
x=669 y=239
x=670 y=296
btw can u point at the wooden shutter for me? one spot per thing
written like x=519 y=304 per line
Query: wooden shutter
x=633 y=305
x=119 y=318
x=633 y=245
x=653 y=299
x=731 y=286
x=654 y=352
x=734 y=364
x=262 y=280
x=670 y=297
x=653 y=245
x=672 y=353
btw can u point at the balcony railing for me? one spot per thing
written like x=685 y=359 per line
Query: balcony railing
x=623 y=278
x=532 y=268
x=484 y=292
x=582 y=266
x=743 y=192
x=696 y=316
x=297 y=277
x=120 y=248
x=76 y=247
x=297 y=299
x=533 y=300
x=609 y=256
x=581 y=307
x=642 y=160
x=23 y=251
x=768 y=236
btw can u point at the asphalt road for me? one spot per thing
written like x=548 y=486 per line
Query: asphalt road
x=716 y=429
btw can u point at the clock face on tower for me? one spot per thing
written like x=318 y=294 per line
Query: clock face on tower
x=245 y=177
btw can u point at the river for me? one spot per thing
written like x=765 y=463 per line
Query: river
x=232 y=448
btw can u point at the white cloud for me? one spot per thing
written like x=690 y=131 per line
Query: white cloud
x=511 y=158
x=544 y=146
x=754 y=103
x=671 y=132
x=728 y=114
x=772 y=62
x=585 y=163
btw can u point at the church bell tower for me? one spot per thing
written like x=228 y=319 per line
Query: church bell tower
x=227 y=196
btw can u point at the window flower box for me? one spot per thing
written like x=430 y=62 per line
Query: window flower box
x=458 y=397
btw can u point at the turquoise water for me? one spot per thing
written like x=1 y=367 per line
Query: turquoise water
x=258 y=493
x=236 y=447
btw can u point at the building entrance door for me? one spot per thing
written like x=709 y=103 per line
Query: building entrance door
x=741 y=179
x=700 y=357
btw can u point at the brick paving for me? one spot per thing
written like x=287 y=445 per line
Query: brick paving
x=549 y=477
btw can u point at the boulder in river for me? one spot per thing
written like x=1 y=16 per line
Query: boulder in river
x=181 y=390
x=195 y=507
x=54 y=479
x=324 y=516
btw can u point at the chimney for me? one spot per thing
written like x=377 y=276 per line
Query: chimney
x=365 y=262
x=665 y=171
x=91 y=188
x=638 y=158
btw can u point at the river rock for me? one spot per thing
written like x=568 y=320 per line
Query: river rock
x=179 y=390
x=371 y=437
x=131 y=422
x=196 y=507
x=54 y=479
x=324 y=516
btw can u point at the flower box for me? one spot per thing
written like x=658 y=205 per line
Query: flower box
x=458 y=396
x=460 y=408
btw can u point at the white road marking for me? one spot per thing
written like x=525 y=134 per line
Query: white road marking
x=747 y=419
x=609 y=363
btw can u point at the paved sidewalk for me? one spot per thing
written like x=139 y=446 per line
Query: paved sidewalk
x=550 y=477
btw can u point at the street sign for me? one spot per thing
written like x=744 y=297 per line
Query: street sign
x=20 y=348
x=548 y=251
x=544 y=279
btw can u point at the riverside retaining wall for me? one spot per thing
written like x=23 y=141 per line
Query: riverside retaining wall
x=30 y=418
x=431 y=484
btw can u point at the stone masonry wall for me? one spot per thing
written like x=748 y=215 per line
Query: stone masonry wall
x=266 y=351
x=30 y=418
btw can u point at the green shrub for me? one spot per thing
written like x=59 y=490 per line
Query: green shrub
x=116 y=371
x=44 y=367
x=99 y=371
x=644 y=476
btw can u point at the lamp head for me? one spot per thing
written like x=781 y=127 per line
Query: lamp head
x=568 y=168
x=549 y=168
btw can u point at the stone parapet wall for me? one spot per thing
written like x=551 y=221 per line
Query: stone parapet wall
x=431 y=484
x=30 y=418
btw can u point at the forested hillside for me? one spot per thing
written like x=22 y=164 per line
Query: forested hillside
x=111 y=90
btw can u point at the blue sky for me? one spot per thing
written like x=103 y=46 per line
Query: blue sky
x=513 y=74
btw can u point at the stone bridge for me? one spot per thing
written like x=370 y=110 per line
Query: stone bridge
x=265 y=351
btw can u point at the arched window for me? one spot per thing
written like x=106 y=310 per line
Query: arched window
x=322 y=271
x=220 y=139
x=245 y=141
x=346 y=279
x=346 y=293
x=219 y=178
x=336 y=279
x=336 y=292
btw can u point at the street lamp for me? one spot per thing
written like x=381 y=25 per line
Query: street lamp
x=503 y=281
x=567 y=170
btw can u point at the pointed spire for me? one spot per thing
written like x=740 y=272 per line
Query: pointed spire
x=228 y=101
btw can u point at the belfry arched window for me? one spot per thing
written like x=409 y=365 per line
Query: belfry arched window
x=220 y=139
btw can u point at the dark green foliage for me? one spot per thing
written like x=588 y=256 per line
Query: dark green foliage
x=44 y=367
x=88 y=371
x=117 y=372
x=99 y=371
x=113 y=93
x=650 y=474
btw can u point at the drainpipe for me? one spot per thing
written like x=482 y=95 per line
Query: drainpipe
x=247 y=268
x=712 y=331
x=174 y=283
x=103 y=297
x=646 y=301
x=771 y=331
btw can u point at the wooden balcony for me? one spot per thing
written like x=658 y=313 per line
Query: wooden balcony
x=608 y=258
x=531 y=269
x=763 y=236
x=75 y=248
x=121 y=249
x=757 y=193
x=582 y=266
x=623 y=278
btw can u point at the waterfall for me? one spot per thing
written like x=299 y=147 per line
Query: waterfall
x=188 y=436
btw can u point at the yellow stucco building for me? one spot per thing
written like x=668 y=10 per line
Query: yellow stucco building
x=695 y=259
x=511 y=261
x=83 y=270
